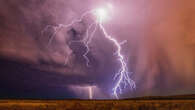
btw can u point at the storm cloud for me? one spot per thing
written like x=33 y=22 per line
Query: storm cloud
x=160 y=44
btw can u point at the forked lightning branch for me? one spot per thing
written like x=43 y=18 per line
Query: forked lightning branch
x=101 y=15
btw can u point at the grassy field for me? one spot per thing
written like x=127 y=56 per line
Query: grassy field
x=132 y=104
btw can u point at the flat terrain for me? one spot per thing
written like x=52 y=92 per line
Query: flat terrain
x=131 y=104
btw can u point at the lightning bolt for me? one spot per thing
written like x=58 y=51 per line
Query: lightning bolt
x=123 y=73
x=90 y=92
x=122 y=77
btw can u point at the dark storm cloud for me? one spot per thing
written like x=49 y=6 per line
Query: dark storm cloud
x=24 y=41
x=160 y=46
x=22 y=24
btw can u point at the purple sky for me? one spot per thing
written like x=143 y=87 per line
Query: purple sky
x=160 y=48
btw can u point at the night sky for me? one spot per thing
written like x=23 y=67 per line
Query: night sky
x=160 y=48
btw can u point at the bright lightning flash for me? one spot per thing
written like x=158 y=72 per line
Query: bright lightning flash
x=122 y=77
x=101 y=14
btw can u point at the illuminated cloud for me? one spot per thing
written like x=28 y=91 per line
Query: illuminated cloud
x=160 y=43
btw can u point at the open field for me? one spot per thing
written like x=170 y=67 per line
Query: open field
x=132 y=104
